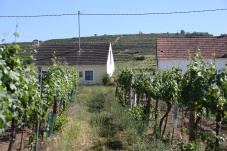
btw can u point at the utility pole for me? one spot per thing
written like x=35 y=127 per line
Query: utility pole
x=79 y=27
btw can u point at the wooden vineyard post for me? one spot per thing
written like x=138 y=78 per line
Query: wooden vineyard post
x=192 y=120
x=22 y=135
x=55 y=106
x=156 y=112
x=138 y=98
x=192 y=115
x=148 y=108
x=130 y=89
x=12 y=135
x=218 y=126
x=125 y=95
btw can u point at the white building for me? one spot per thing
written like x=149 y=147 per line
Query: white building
x=177 y=51
x=92 y=60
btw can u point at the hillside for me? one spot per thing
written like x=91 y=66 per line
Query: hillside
x=127 y=46
x=131 y=50
x=126 y=43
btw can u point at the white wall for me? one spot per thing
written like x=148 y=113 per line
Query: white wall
x=220 y=63
x=110 y=62
x=98 y=72
x=167 y=64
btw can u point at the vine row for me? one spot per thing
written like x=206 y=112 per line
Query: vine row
x=27 y=95
x=201 y=87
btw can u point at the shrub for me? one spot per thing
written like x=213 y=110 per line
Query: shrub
x=106 y=79
x=140 y=58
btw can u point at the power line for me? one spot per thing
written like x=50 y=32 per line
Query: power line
x=33 y=16
x=168 y=13
x=138 y=14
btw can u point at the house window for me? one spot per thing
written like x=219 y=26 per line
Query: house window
x=89 y=75
x=80 y=74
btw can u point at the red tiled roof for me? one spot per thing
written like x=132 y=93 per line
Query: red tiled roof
x=89 y=54
x=180 y=48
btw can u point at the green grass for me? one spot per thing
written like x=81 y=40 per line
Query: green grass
x=106 y=113
x=99 y=122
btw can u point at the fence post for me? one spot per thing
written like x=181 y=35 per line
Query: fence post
x=130 y=89
x=134 y=101
x=156 y=111
x=51 y=119
x=148 y=108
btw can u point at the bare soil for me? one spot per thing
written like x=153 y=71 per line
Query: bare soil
x=205 y=125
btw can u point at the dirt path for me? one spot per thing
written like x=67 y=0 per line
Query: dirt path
x=117 y=39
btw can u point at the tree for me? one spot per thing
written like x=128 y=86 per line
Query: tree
x=182 y=32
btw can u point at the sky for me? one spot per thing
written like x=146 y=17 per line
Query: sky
x=45 y=28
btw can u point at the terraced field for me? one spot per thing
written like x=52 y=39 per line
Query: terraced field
x=125 y=44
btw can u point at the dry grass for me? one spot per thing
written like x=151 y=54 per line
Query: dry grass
x=77 y=134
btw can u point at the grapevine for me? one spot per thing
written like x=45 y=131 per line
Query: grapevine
x=21 y=101
x=170 y=91
x=200 y=87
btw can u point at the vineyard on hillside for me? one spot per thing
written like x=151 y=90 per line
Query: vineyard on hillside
x=31 y=100
x=34 y=102
x=200 y=94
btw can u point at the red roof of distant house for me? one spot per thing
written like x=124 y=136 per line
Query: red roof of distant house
x=181 y=48
x=89 y=53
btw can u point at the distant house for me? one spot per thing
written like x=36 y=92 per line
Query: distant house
x=177 y=51
x=92 y=60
